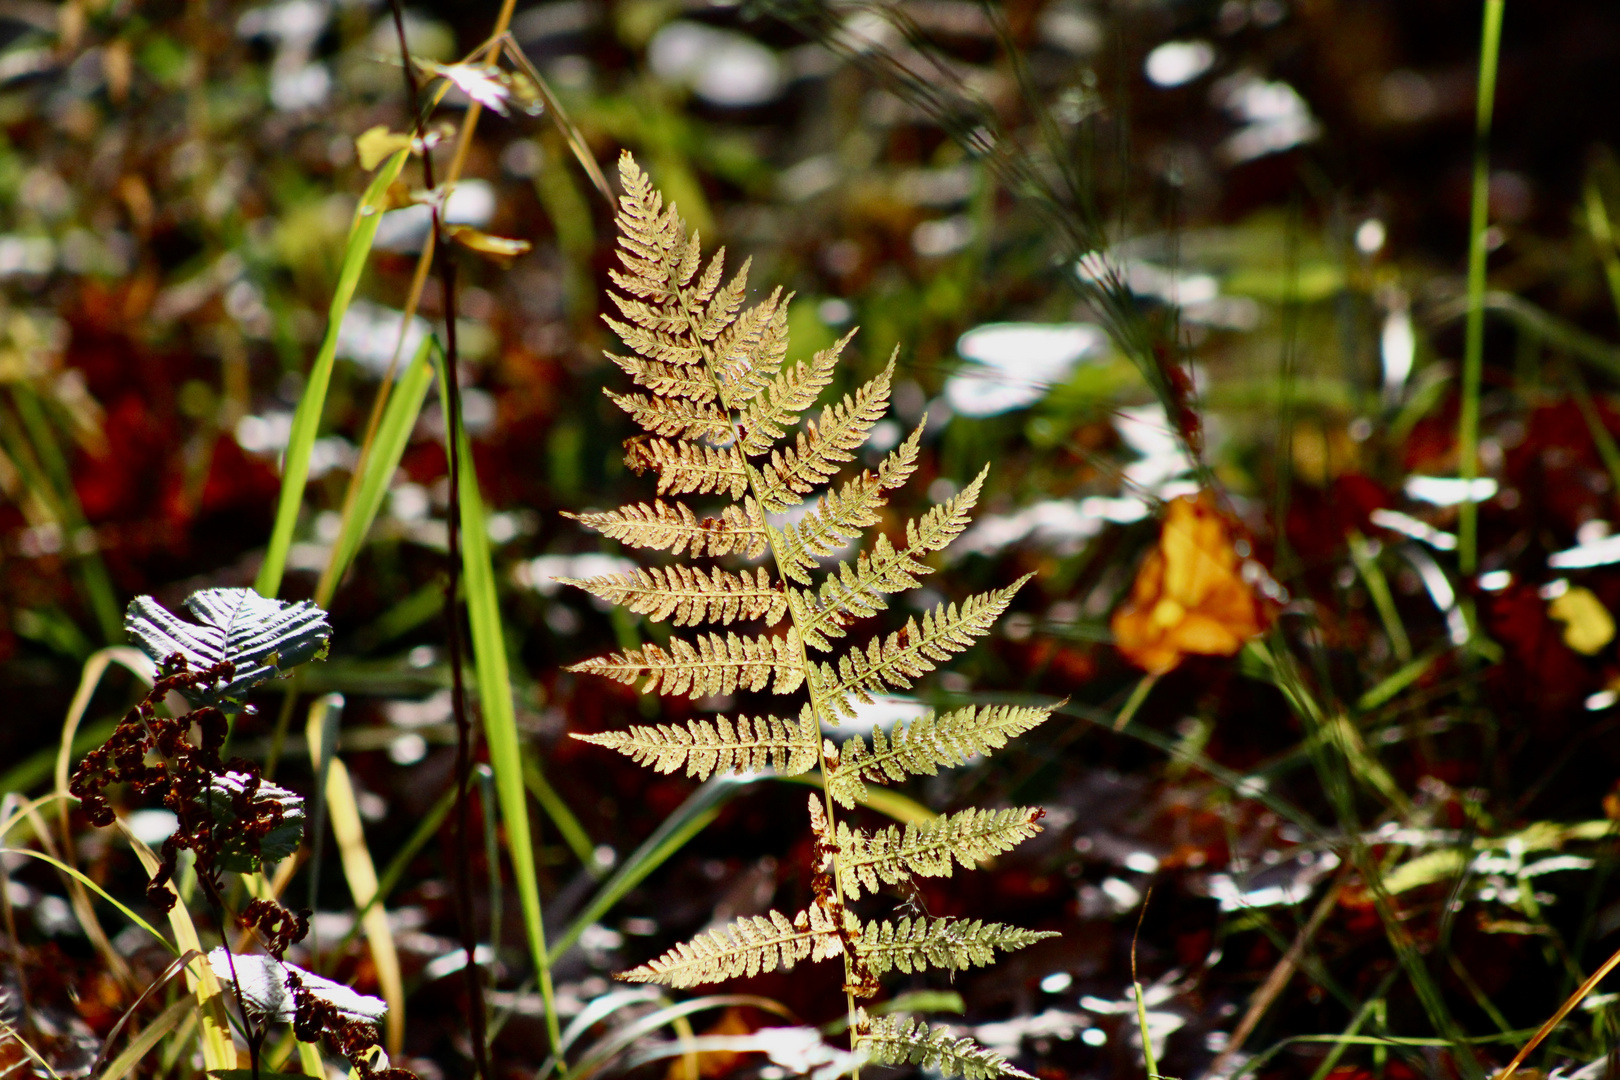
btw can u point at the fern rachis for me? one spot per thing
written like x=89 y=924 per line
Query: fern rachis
x=722 y=414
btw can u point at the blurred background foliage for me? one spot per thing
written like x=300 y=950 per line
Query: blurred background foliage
x=1286 y=187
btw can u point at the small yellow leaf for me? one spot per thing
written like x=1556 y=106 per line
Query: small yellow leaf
x=1189 y=596
x=377 y=144
x=1588 y=626
x=500 y=248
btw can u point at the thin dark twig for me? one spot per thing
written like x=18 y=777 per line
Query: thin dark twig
x=452 y=613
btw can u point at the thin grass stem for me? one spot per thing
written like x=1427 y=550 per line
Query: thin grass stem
x=1474 y=346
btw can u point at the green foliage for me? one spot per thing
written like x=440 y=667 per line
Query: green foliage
x=943 y=944
x=705 y=748
x=744 y=949
x=261 y=637
x=722 y=419
x=890 y=1040
x=892 y=856
x=922 y=747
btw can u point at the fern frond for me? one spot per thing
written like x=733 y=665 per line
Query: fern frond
x=714 y=665
x=688 y=596
x=898 y=1040
x=776 y=409
x=750 y=352
x=705 y=748
x=927 y=744
x=676 y=417
x=941 y=944
x=673 y=527
x=855 y=591
x=685 y=467
x=911 y=652
x=667 y=380
x=892 y=856
x=744 y=948
x=842 y=515
x=823 y=448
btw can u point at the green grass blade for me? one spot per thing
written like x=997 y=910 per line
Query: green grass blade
x=500 y=722
x=142 y=1044
x=556 y=808
x=386 y=450
x=1474 y=344
x=425 y=830
x=307 y=419
x=91 y=885
x=689 y=819
x=44 y=468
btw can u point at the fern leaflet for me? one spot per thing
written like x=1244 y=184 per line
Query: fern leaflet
x=942 y=944
x=911 y=652
x=931 y=850
x=690 y=597
x=676 y=417
x=744 y=948
x=891 y=1040
x=771 y=413
x=705 y=748
x=715 y=665
x=925 y=745
x=822 y=449
x=673 y=527
x=685 y=467
x=841 y=515
x=857 y=589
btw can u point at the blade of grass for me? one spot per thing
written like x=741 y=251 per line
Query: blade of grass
x=307 y=419
x=492 y=858
x=1558 y=1017
x=556 y=808
x=1597 y=223
x=1361 y=553
x=89 y=678
x=219 y=1050
x=611 y=1046
x=1362 y=1015
x=16 y=1037
x=157 y=984
x=1474 y=342
x=1601 y=439
x=375 y=472
x=87 y=881
x=500 y=724
x=62 y=511
x=425 y=831
x=94 y=581
x=309 y=1056
x=1151 y=1066
x=689 y=819
x=142 y=1044
x=343 y=810
x=902 y=808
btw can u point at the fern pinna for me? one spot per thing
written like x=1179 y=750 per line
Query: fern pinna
x=722 y=412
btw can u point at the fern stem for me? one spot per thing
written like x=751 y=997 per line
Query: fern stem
x=816 y=706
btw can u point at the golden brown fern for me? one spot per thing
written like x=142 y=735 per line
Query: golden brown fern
x=724 y=417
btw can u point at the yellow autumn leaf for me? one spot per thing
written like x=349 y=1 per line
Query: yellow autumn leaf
x=500 y=248
x=375 y=145
x=1189 y=595
x=1588 y=626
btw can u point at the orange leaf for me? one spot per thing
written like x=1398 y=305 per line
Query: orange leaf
x=1189 y=595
